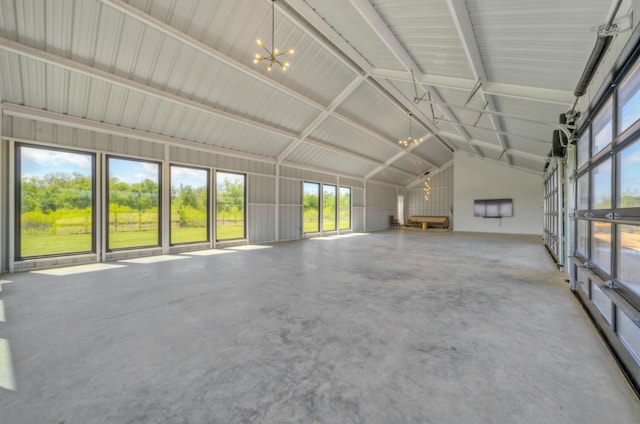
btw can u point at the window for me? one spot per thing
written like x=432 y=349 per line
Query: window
x=311 y=207
x=230 y=206
x=134 y=203
x=628 y=254
x=629 y=192
x=629 y=101
x=630 y=334
x=602 y=185
x=345 y=208
x=55 y=198
x=582 y=246
x=189 y=205
x=602 y=130
x=583 y=281
x=601 y=245
x=582 y=150
x=583 y=192
x=329 y=208
x=602 y=302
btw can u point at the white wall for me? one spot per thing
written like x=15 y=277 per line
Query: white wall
x=475 y=178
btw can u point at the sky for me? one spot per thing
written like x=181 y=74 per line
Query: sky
x=36 y=162
x=39 y=162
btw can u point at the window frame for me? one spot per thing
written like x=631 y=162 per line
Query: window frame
x=208 y=204
x=18 y=201
x=108 y=202
x=244 y=208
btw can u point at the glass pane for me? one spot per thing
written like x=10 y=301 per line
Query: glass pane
x=583 y=192
x=583 y=281
x=328 y=208
x=629 y=332
x=601 y=245
x=189 y=205
x=630 y=177
x=134 y=203
x=629 y=101
x=582 y=246
x=602 y=302
x=629 y=256
x=602 y=130
x=56 y=202
x=345 y=208
x=583 y=149
x=230 y=210
x=310 y=201
x=602 y=185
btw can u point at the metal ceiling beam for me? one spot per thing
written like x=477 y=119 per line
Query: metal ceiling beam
x=151 y=22
x=349 y=89
x=388 y=163
x=377 y=24
x=40 y=115
x=536 y=94
x=462 y=22
x=326 y=36
x=511 y=134
x=519 y=153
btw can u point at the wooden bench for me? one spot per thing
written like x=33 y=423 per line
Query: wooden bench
x=425 y=222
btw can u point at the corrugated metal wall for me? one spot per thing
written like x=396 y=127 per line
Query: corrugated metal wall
x=261 y=194
x=440 y=201
x=381 y=201
x=357 y=209
x=290 y=209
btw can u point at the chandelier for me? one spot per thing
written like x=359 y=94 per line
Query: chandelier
x=408 y=141
x=272 y=55
x=427 y=188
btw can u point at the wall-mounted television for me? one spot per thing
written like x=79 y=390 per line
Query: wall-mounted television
x=493 y=208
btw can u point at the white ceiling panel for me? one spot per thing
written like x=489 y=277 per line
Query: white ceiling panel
x=394 y=177
x=312 y=155
x=348 y=22
x=426 y=29
x=335 y=132
x=543 y=43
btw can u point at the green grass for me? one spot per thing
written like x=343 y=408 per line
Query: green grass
x=36 y=243
x=126 y=239
x=188 y=234
x=229 y=231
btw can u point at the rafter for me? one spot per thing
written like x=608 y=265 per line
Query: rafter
x=462 y=22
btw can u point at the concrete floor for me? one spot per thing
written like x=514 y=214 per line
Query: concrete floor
x=393 y=327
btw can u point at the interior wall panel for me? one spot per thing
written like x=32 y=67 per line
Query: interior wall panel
x=290 y=192
x=307 y=175
x=290 y=222
x=261 y=223
x=381 y=202
x=262 y=189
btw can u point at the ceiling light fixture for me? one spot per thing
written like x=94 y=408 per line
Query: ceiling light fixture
x=273 y=54
x=427 y=188
x=409 y=141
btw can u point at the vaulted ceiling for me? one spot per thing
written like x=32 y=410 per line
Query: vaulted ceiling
x=488 y=77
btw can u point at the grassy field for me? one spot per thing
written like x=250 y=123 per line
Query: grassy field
x=34 y=243
x=188 y=234
x=230 y=231
x=312 y=226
